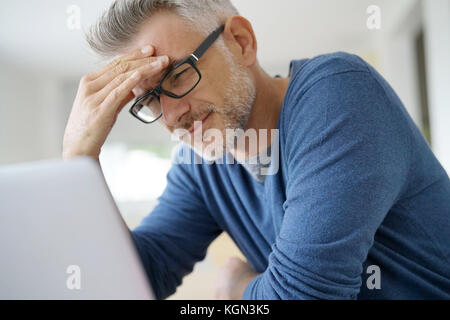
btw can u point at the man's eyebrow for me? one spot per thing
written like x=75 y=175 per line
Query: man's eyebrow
x=174 y=62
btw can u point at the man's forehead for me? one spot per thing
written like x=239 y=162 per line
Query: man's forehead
x=169 y=34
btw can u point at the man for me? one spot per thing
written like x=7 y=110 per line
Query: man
x=352 y=187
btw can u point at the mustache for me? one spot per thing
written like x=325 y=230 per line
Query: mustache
x=189 y=119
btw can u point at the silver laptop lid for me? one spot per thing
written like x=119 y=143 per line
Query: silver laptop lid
x=62 y=237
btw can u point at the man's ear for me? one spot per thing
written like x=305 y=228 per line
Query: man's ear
x=241 y=39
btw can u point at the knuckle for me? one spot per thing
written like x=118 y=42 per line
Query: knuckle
x=88 y=86
x=118 y=80
x=150 y=60
x=115 y=62
x=84 y=80
x=85 y=87
x=121 y=68
x=114 y=95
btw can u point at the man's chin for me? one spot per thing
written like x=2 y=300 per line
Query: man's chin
x=208 y=151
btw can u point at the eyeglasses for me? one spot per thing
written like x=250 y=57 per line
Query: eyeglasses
x=177 y=83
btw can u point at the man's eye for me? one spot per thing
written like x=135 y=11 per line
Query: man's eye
x=180 y=73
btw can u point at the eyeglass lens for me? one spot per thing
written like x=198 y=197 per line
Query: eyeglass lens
x=178 y=82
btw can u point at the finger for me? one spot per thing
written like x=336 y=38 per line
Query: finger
x=115 y=98
x=152 y=62
x=143 y=52
x=147 y=72
x=124 y=102
x=127 y=99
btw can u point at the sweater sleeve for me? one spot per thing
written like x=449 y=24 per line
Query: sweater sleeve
x=176 y=234
x=346 y=159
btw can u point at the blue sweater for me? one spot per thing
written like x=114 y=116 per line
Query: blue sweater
x=357 y=186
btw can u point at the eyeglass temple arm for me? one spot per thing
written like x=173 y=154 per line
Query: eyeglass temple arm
x=208 y=42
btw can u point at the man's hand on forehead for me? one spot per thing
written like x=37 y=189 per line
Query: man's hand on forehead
x=144 y=57
x=102 y=95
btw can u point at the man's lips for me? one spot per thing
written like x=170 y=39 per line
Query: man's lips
x=191 y=130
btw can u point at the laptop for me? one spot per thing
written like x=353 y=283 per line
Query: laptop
x=62 y=236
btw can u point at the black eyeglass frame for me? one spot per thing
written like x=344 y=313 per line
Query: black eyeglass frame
x=191 y=60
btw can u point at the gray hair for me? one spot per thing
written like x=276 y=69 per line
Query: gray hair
x=117 y=25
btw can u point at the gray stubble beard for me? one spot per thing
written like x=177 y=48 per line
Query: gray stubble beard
x=239 y=98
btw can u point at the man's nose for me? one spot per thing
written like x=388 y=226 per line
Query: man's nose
x=173 y=110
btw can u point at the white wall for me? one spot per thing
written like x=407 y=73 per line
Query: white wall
x=27 y=128
x=437 y=37
x=398 y=53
